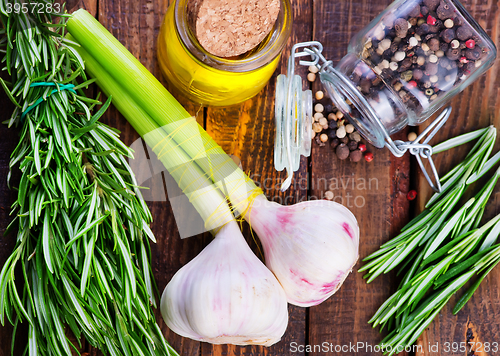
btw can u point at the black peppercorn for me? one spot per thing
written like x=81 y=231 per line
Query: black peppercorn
x=464 y=33
x=413 y=21
x=473 y=54
x=443 y=46
x=470 y=67
x=344 y=140
x=352 y=145
x=333 y=125
x=401 y=27
x=394 y=47
x=424 y=10
x=453 y=54
x=433 y=44
x=417 y=74
x=423 y=29
x=356 y=155
x=334 y=143
x=431 y=4
x=444 y=11
x=448 y=35
x=415 y=12
x=342 y=151
x=331 y=132
x=458 y=21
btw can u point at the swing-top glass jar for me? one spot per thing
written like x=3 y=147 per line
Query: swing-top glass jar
x=211 y=80
x=406 y=64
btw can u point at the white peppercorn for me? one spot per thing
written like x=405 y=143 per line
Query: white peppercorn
x=349 y=128
x=319 y=94
x=341 y=132
x=313 y=69
x=311 y=77
x=319 y=107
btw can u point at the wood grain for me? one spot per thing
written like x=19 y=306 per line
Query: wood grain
x=375 y=192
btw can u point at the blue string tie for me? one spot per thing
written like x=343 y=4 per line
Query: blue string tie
x=60 y=87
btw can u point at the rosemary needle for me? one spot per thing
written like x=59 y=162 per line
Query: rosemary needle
x=81 y=224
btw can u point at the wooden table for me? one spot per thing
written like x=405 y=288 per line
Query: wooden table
x=247 y=131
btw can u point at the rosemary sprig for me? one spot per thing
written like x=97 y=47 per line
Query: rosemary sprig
x=441 y=249
x=421 y=235
x=81 y=223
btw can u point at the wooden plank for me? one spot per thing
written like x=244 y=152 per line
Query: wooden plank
x=375 y=192
x=247 y=131
x=136 y=25
x=478 y=106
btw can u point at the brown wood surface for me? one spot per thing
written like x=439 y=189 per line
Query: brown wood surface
x=247 y=131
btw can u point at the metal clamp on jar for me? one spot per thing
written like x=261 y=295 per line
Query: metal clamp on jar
x=400 y=69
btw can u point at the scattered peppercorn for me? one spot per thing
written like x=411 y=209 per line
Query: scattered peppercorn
x=319 y=95
x=342 y=151
x=341 y=132
x=319 y=107
x=412 y=136
x=470 y=43
x=311 y=77
x=362 y=147
x=368 y=156
x=355 y=155
x=329 y=195
x=323 y=137
x=313 y=69
x=412 y=194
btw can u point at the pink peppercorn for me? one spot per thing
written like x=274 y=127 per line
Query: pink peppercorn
x=362 y=147
x=412 y=194
x=412 y=83
x=431 y=20
x=368 y=156
x=463 y=60
x=470 y=43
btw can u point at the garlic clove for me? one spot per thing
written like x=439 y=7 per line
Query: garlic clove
x=226 y=295
x=311 y=246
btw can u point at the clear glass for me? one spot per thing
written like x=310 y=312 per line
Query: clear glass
x=407 y=64
x=210 y=80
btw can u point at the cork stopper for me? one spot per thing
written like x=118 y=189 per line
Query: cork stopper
x=228 y=28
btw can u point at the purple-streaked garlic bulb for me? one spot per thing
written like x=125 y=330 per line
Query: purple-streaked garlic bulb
x=311 y=246
x=226 y=295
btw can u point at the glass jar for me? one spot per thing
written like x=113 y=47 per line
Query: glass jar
x=210 y=80
x=406 y=64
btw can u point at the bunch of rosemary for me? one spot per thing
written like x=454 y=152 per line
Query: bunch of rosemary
x=441 y=251
x=81 y=223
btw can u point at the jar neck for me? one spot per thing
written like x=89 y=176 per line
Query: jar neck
x=263 y=54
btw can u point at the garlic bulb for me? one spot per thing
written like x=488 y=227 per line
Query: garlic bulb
x=311 y=246
x=226 y=295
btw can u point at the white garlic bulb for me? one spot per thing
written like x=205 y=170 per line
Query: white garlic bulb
x=226 y=295
x=311 y=246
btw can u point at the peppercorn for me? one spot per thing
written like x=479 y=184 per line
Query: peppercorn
x=332 y=124
x=464 y=33
x=412 y=136
x=329 y=195
x=473 y=54
x=424 y=10
x=313 y=69
x=444 y=11
x=317 y=127
x=339 y=114
x=352 y=145
x=323 y=121
x=417 y=74
x=453 y=54
x=355 y=136
x=311 y=77
x=401 y=27
x=412 y=194
x=334 y=143
x=349 y=128
x=317 y=116
x=368 y=156
x=319 y=95
x=323 y=137
x=342 y=151
x=470 y=43
x=448 y=35
x=444 y=62
x=355 y=155
x=449 y=23
x=332 y=117
x=431 y=20
x=433 y=44
x=344 y=139
x=443 y=46
x=415 y=11
x=362 y=147
x=458 y=21
x=318 y=107
x=341 y=132
x=431 y=4
x=399 y=56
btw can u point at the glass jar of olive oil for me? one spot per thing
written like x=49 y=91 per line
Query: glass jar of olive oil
x=210 y=80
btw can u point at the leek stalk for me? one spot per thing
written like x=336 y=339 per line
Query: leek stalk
x=205 y=196
x=161 y=107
